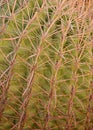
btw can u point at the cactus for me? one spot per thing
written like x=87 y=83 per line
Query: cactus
x=46 y=65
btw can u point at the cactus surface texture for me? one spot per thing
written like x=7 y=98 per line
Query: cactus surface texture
x=46 y=65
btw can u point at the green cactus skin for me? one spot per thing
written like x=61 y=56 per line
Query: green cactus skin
x=46 y=65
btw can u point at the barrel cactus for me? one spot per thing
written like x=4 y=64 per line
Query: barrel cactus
x=46 y=65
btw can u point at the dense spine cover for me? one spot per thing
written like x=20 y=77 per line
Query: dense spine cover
x=46 y=65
